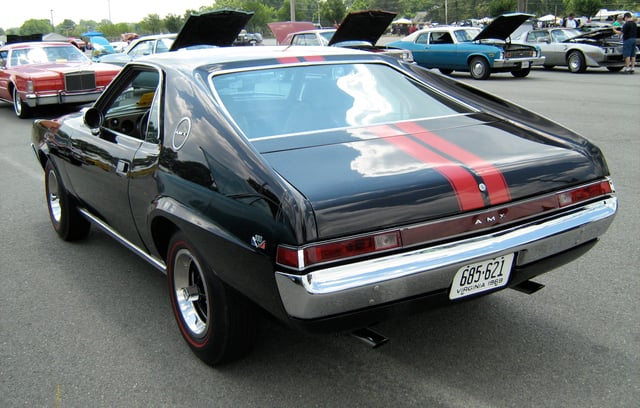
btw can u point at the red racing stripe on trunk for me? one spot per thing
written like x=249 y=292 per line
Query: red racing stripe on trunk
x=462 y=182
x=497 y=187
x=288 y=60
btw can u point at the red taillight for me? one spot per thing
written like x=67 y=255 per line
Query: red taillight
x=336 y=250
x=584 y=193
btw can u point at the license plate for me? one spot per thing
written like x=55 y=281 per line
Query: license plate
x=481 y=276
x=525 y=64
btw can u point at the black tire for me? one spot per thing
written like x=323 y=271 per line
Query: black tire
x=21 y=109
x=217 y=322
x=479 y=68
x=68 y=223
x=576 y=62
x=445 y=71
x=521 y=73
x=548 y=67
x=615 y=69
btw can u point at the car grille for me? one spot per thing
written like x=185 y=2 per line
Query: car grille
x=519 y=53
x=79 y=81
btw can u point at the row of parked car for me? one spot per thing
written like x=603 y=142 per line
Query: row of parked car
x=507 y=44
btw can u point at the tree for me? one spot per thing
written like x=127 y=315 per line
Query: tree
x=152 y=24
x=332 y=12
x=583 y=7
x=173 y=23
x=67 y=27
x=497 y=7
x=35 y=26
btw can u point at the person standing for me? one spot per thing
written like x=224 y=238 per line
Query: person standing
x=629 y=33
x=571 y=22
x=619 y=21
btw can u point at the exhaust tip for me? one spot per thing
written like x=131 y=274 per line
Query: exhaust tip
x=529 y=287
x=370 y=337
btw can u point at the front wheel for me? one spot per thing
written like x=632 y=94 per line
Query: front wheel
x=576 y=62
x=445 y=71
x=217 y=322
x=521 y=73
x=479 y=68
x=68 y=223
x=21 y=109
x=615 y=69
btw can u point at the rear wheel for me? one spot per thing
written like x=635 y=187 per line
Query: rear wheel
x=21 y=109
x=576 y=62
x=521 y=73
x=217 y=322
x=615 y=69
x=68 y=223
x=548 y=67
x=479 y=68
x=445 y=71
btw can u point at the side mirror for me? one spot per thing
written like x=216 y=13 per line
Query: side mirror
x=93 y=118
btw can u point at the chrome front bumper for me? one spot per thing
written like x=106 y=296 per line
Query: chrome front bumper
x=358 y=285
x=34 y=100
x=517 y=62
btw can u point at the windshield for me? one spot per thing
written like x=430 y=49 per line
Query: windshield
x=47 y=55
x=313 y=98
x=562 y=35
x=466 y=35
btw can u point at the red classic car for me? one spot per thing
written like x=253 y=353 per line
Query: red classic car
x=33 y=74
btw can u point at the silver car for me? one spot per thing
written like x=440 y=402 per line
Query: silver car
x=576 y=49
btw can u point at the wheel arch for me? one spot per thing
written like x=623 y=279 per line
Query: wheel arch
x=474 y=55
x=162 y=229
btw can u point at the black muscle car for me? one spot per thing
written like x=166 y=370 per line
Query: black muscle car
x=356 y=187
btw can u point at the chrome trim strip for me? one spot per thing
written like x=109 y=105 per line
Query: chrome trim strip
x=358 y=285
x=157 y=263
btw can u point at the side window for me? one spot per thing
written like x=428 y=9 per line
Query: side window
x=3 y=59
x=130 y=107
x=163 y=45
x=422 y=38
x=142 y=48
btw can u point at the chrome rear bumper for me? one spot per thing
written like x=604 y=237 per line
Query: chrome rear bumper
x=346 y=288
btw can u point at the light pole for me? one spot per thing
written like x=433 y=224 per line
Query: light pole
x=446 y=12
x=53 y=27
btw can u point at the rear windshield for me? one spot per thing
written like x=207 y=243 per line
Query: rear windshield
x=309 y=98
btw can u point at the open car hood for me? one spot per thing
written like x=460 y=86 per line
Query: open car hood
x=593 y=35
x=502 y=26
x=219 y=28
x=367 y=25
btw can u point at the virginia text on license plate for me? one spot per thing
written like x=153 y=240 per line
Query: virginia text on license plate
x=481 y=276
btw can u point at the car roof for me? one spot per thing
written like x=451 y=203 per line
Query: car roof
x=32 y=44
x=316 y=31
x=201 y=58
x=154 y=37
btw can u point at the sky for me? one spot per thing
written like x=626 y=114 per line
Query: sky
x=122 y=11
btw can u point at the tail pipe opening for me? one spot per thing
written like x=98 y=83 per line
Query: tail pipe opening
x=370 y=337
x=529 y=287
